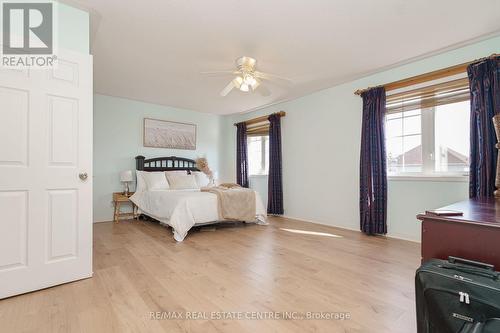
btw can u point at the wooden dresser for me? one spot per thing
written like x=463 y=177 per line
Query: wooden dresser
x=475 y=235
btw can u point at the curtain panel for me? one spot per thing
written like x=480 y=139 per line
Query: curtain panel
x=373 y=172
x=241 y=155
x=275 y=184
x=484 y=83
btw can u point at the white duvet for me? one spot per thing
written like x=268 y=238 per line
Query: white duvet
x=182 y=209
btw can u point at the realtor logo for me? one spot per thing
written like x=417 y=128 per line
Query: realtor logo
x=27 y=28
x=28 y=34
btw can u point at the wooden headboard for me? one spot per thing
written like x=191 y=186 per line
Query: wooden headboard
x=170 y=163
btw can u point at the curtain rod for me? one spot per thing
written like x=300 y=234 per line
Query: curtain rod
x=261 y=119
x=434 y=75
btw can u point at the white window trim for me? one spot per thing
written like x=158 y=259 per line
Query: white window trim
x=460 y=178
x=263 y=175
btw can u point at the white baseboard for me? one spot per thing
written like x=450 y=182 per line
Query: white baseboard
x=102 y=221
x=403 y=238
x=347 y=228
x=324 y=224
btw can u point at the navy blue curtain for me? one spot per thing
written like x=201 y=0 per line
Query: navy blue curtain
x=484 y=82
x=373 y=173
x=241 y=155
x=275 y=185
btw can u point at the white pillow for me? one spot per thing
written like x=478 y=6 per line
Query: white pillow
x=156 y=180
x=140 y=183
x=201 y=179
x=181 y=181
x=176 y=172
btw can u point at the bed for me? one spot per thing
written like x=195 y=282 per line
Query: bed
x=181 y=209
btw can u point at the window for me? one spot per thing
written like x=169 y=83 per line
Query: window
x=404 y=142
x=258 y=155
x=427 y=131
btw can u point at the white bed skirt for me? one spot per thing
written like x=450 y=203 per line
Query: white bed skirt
x=183 y=209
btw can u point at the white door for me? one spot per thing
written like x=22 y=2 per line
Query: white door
x=45 y=145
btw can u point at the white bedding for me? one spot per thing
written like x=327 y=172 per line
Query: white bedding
x=182 y=209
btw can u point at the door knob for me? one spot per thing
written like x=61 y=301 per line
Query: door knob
x=83 y=176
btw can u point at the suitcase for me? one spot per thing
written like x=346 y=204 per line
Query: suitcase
x=457 y=296
x=490 y=326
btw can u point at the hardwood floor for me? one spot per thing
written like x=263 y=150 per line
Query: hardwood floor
x=139 y=269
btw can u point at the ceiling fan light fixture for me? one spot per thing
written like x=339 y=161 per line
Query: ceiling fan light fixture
x=244 y=87
x=248 y=79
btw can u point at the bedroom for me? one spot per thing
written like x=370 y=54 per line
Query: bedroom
x=323 y=252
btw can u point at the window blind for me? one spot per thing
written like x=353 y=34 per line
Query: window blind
x=428 y=96
x=258 y=129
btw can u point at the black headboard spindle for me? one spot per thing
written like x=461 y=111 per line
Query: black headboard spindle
x=170 y=163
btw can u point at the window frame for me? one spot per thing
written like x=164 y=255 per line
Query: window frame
x=428 y=172
x=264 y=156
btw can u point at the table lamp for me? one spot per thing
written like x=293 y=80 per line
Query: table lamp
x=126 y=177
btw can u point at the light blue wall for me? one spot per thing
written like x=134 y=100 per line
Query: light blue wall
x=73 y=32
x=408 y=198
x=321 y=140
x=118 y=132
x=259 y=184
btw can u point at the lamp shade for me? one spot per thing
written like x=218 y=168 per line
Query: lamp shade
x=126 y=176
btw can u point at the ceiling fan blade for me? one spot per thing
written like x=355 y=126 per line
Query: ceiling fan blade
x=263 y=91
x=220 y=73
x=272 y=77
x=227 y=89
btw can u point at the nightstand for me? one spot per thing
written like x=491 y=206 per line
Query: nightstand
x=118 y=199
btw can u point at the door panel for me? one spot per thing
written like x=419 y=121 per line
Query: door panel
x=62 y=228
x=14 y=208
x=14 y=127
x=63 y=131
x=65 y=73
x=46 y=226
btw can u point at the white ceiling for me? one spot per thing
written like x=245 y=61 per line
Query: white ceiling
x=154 y=50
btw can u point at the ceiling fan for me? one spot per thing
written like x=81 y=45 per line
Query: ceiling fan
x=247 y=77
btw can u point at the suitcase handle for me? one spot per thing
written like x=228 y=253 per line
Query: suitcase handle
x=471 y=267
x=472 y=270
x=456 y=260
